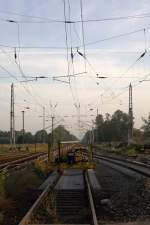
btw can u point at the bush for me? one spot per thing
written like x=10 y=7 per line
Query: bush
x=2 y=184
x=21 y=181
x=131 y=152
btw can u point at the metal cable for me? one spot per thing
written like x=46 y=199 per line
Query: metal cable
x=83 y=37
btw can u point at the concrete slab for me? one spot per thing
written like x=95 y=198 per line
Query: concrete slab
x=71 y=172
x=94 y=183
x=72 y=179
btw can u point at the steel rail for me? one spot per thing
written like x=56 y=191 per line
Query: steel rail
x=27 y=219
x=92 y=207
x=125 y=160
x=21 y=162
x=139 y=168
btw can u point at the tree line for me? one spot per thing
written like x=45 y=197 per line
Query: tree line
x=59 y=133
x=114 y=128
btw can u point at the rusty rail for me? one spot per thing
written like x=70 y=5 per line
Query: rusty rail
x=27 y=219
x=22 y=162
x=92 y=207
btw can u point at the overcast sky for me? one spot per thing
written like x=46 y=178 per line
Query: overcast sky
x=35 y=31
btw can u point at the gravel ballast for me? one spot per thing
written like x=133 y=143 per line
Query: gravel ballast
x=128 y=198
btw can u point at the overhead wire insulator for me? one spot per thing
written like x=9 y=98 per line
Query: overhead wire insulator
x=11 y=21
x=145 y=40
x=15 y=54
x=81 y=54
x=69 y=21
x=72 y=55
x=142 y=55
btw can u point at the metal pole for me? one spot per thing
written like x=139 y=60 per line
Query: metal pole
x=12 y=119
x=51 y=141
x=93 y=138
x=43 y=124
x=59 y=150
x=130 y=126
x=97 y=112
x=11 y=116
x=52 y=134
x=23 y=131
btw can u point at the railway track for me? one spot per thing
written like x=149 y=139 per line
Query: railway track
x=13 y=156
x=66 y=199
x=137 y=167
x=23 y=162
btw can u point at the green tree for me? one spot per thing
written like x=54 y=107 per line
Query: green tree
x=146 y=127
x=111 y=127
x=40 y=136
x=119 y=126
x=138 y=135
x=61 y=134
x=99 y=131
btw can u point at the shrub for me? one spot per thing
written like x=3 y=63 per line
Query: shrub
x=131 y=152
x=21 y=181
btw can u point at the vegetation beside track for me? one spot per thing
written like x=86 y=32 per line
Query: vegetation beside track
x=18 y=191
x=26 y=148
x=132 y=152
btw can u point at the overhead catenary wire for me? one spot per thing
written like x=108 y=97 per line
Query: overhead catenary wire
x=50 y=20
x=18 y=63
x=67 y=50
x=145 y=40
x=131 y=66
x=73 y=25
x=141 y=56
x=76 y=33
x=29 y=16
x=86 y=44
x=71 y=48
x=11 y=75
x=17 y=54
x=72 y=55
x=83 y=34
x=66 y=39
x=16 y=78
x=116 y=36
x=125 y=89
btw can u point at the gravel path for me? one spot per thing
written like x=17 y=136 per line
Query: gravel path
x=129 y=198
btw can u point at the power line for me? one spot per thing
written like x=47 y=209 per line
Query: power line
x=125 y=89
x=71 y=49
x=75 y=31
x=116 y=36
x=50 y=20
x=14 y=77
x=132 y=65
x=29 y=16
x=17 y=56
x=18 y=63
x=86 y=44
x=83 y=37
x=137 y=16
x=66 y=37
x=10 y=74
x=145 y=40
